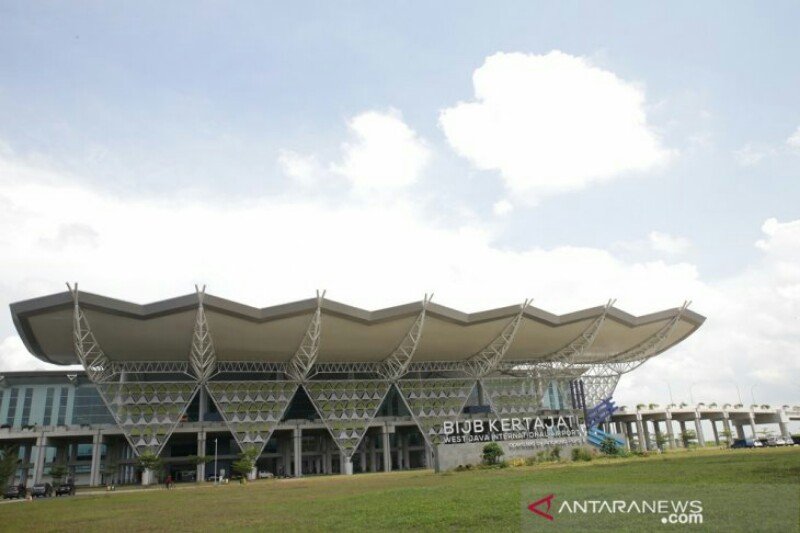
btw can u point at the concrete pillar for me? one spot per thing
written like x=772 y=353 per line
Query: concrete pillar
x=783 y=423
x=148 y=477
x=287 y=445
x=298 y=452
x=682 y=425
x=26 y=460
x=716 y=433
x=94 y=471
x=657 y=431
x=641 y=434
x=753 y=425
x=363 y=459
x=698 y=427
x=387 y=451
x=373 y=456
x=629 y=435
x=740 y=431
x=201 y=451
x=726 y=423
x=347 y=463
x=670 y=431
x=38 y=467
x=406 y=453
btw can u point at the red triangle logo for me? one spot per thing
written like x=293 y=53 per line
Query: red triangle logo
x=534 y=507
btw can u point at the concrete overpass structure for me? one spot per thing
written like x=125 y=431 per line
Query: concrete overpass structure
x=655 y=422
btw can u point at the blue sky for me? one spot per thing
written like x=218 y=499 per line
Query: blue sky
x=151 y=105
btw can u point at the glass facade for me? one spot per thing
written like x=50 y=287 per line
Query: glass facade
x=12 y=406
x=88 y=408
x=62 y=406
x=26 y=407
x=48 y=406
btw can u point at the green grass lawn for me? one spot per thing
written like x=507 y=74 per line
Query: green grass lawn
x=419 y=500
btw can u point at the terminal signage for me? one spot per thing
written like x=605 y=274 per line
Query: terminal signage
x=543 y=428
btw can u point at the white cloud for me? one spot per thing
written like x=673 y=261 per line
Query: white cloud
x=751 y=154
x=553 y=123
x=272 y=250
x=385 y=154
x=502 y=207
x=303 y=169
x=794 y=140
x=668 y=244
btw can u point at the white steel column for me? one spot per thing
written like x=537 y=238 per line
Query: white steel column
x=38 y=467
x=297 y=433
x=94 y=471
x=387 y=449
x=201 y=452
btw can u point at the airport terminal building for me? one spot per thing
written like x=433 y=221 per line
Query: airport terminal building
x=315 y=386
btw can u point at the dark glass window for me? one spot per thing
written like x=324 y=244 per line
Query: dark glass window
x=48 y=406
x=88 y=407
x=26 y=407
x=62 y=406
x=12 y=406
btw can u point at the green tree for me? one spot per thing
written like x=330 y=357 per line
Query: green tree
x=9 y=461
x=688 y=437
x=492 y=452
x=58 y=472
x=726 y=436
x=149 y=461
x=609 y=446
x=245 y=463
x=661 y=441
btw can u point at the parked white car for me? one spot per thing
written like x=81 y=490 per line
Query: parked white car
x=263 y=474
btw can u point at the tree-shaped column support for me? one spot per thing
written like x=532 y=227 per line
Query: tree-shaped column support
x=347 y=407
x=509 y=397
x=147 y=412
x=432 y=402
x=252 y=409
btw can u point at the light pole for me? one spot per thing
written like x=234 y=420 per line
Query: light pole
x=739 y=393
x=216 y=472
x=671 y=401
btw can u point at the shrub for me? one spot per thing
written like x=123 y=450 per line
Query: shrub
x=581 y=454
x=609 y=446
x=492 y=453
x=517 y=461
x=555 y=453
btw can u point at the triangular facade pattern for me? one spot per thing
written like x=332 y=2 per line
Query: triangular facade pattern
x=252 y=409
x=147 y=413
x=434 y=401
x=347 y=408
x=512 y=396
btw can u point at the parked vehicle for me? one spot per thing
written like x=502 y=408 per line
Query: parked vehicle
x=65 y=489
x=212 y=477
x=265 y=475
x=758 y=444
x=42 y=490
x=15 y=492
x=742 y=443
